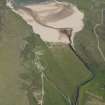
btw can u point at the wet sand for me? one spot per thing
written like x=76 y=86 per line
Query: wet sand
x=53 y=14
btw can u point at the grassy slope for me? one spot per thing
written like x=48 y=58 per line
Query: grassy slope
x=86 y=46
x=65 y=71
x=10 y=45
x=65 y=75
x=70 y=68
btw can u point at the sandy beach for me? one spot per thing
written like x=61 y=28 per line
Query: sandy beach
x=45 y=17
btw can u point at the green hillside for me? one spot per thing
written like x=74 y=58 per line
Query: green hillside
x=20 y=78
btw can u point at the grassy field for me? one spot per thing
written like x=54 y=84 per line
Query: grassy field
x=67 y=74
x=11 y=44
x=20 y=77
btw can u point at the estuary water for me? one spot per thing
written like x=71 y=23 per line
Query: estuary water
x=31 y=1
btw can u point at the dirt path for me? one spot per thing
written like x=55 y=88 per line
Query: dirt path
x=42 y=78
x=67 y=98
x=97 y=36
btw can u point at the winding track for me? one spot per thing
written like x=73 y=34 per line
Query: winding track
x=67 y=98
x=97 y=36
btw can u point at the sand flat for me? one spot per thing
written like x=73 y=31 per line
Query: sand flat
x=65 y=16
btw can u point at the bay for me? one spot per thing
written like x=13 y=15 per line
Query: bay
x=31 y=1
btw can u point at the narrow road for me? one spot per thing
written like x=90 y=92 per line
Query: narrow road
x=97 y=36
x=42 y=78
x=67 y=98
x=98 y=43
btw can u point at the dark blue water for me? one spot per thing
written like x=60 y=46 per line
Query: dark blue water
x=31 y=1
